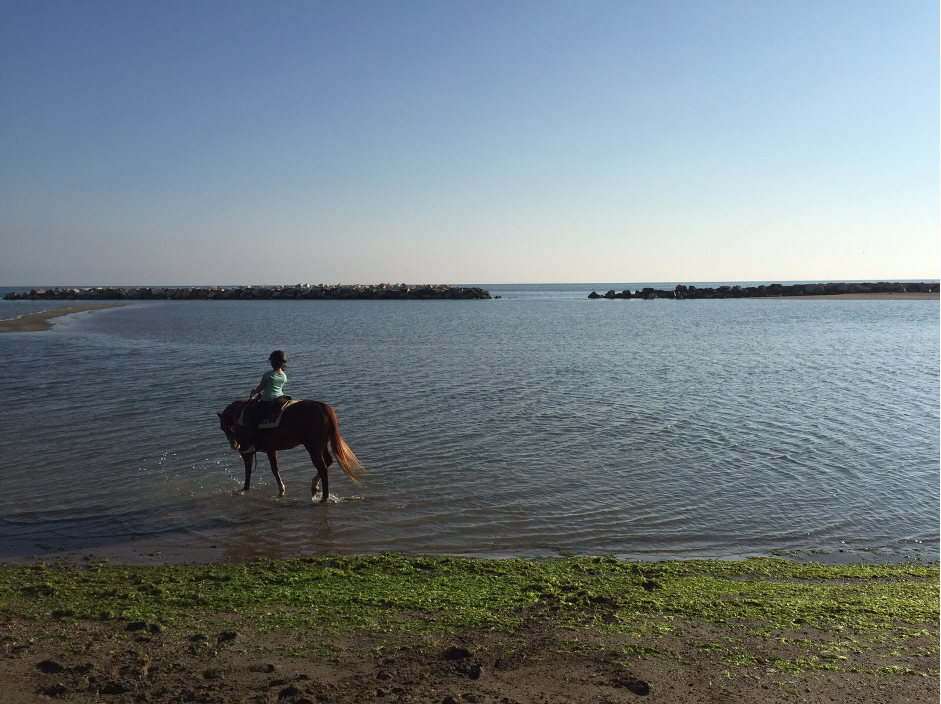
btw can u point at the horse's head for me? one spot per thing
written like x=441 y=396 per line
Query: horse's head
x=227 y=423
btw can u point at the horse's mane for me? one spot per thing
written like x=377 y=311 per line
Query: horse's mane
x=231 y=413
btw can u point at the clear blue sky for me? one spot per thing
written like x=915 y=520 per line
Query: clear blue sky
x=468 y=142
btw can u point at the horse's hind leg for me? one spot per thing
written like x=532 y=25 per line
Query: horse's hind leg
x=327 y=460
x=318 y=459
x=273 y=460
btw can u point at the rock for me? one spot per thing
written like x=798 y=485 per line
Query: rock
x=227 y=636
x=320 y=291
x=113 y=688
x=50 y=667
x=55 y=690
x=455 y=653
x=634 y=685
x=136 y=626
x=765 y=290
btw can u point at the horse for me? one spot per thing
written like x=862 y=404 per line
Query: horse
x=312 y=424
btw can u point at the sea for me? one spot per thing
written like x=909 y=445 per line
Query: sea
x=536 y=424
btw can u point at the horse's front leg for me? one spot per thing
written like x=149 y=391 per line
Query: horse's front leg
x=249 y=460
x=273 y=461
x=321 y=476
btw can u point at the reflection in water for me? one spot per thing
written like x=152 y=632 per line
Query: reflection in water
x=259 y=534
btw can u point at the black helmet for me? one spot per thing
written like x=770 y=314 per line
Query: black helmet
x=278 y=359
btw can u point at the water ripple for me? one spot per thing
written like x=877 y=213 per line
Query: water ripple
x=512 y=427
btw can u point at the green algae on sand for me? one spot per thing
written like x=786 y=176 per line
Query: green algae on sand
x=826 y=610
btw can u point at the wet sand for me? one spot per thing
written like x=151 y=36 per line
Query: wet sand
x=541 y=661
x=35 y=322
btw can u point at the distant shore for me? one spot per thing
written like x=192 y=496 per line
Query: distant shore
x=907 y=296
x=36 y=322
x=881 y=290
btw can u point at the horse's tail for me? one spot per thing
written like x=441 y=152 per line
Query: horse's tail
x=345 y=457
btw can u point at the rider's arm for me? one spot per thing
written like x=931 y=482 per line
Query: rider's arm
x=261 y=387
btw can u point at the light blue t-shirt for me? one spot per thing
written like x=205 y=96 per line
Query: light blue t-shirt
x=274 y=381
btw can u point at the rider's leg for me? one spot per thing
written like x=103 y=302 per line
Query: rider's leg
x=253 y=414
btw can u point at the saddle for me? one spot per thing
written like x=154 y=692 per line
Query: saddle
x=272 y=417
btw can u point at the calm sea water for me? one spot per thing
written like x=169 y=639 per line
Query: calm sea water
x=535 y=424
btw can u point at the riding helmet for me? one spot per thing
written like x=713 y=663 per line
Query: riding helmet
x=277 y=357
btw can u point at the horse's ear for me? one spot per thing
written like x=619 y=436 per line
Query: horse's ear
x=218 y=414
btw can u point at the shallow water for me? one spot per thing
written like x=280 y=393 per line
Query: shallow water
x=535 y=424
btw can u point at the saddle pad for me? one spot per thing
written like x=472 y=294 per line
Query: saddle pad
x=273 y=419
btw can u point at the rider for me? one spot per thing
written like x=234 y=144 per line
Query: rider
x=270 y=389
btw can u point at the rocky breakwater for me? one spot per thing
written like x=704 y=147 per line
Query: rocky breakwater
x=259 y=293
x=770 y=290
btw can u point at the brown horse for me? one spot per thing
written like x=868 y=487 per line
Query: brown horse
x=309 y=423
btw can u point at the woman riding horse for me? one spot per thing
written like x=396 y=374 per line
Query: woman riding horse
x=270 y=389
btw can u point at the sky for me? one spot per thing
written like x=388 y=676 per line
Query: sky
x=369 y=141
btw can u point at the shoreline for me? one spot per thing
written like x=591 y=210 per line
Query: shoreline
x=166 y=551
x=402 y=628
x=37 y=322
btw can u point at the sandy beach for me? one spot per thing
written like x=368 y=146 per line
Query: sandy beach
x=36 y=322
x=543 y=662
x=397 y=628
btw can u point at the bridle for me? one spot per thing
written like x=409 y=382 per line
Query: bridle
x=229 y=429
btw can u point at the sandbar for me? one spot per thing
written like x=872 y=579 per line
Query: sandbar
x=35 y=322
